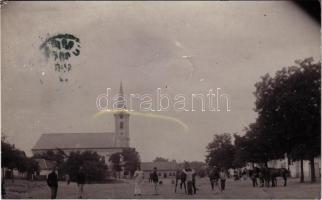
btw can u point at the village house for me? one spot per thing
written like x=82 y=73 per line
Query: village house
x=165 y=169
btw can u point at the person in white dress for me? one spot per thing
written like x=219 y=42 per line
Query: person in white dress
x=138 y=180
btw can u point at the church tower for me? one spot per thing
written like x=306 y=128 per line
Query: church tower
x=122 y=138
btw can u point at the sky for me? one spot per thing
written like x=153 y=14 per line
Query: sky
x=180 y=47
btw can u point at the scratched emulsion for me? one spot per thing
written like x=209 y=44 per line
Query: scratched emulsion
x=61 y=48
x=145 y=114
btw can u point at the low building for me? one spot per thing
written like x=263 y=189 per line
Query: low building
x=45 y=167
x=165 y=169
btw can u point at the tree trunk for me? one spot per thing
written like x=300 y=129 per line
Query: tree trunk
x=3 y=173
x=302 y=172
x=312 y=170
x=12 y=176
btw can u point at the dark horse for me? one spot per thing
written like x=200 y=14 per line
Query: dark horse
x=268 y=175
x=280 y=172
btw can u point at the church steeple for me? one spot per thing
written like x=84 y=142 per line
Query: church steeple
x=121 y=121
x=121 y=89
x=121 y=103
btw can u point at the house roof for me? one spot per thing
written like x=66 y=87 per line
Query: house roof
x=45 y=164
x=74 y=141
x=161 y=166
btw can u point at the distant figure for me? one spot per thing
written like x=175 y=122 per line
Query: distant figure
x=150 y=178
x=155 y=180
x=138 y=180
x=214 y=178
x=183 y=179
x=178 y=177
x=67 y=179
x=189 y=173
x=244 y=174
x=80 y=179
x=253 y=175
x=52 y=182
x=194 y=183
x=223 y=177
x=236 y=177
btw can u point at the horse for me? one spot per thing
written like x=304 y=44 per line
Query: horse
x=278 y=172
x=269 y=175
x=259 y=173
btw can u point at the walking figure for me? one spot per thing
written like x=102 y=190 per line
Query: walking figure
x=178 y=177
x=80 y=182
x=150 y=178
x=52 y=182
x=253 y=175
x=183 y=180
x=194 y=182
x=155 y=180
x=67 y=179
x=138 y=180
x=223 y=177
x=214 y=178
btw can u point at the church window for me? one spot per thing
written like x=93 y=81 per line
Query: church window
x=121 y=116
x=121 y=125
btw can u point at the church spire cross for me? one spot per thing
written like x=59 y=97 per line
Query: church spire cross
x=121 y=99
x=121 y=89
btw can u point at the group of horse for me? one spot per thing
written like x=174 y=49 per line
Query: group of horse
x=267 y=176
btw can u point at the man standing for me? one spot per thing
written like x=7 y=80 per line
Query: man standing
x=214 y=177
x=80 y=181
x=52 y=181
x=155 y=180
x=183 y=179
x=67 y=179
x=194 y=182
x=189 y=173
x=223 y=177
x=178 y=177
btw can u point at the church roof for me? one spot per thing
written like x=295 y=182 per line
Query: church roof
x=75 y=141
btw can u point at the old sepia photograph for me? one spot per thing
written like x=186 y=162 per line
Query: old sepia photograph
x=161 y=99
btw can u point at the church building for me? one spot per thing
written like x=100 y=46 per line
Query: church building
x=105 y=144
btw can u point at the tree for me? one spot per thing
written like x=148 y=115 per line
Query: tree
x=221 y=151
x=32 y=166
x=115 y=159
x=289 y=108
x=256 y=146
x=131 y=160
x=92 y=163
x=13 y=158
x=160 y=159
